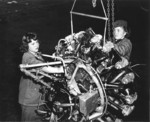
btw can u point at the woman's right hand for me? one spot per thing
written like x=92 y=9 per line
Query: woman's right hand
x=108 y=46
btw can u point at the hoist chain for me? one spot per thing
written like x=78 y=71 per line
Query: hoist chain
x=113 y=13
x=108 y=15
x=94 y=3
x=111 y=17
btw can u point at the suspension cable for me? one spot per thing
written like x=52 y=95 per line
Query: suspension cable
x=108 y=15
x=105 y=29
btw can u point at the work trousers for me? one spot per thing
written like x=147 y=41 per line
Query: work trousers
x=29 y=114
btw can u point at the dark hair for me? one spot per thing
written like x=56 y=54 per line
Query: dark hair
x=27 y=39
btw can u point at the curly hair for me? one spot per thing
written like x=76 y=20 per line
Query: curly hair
x=26 y=39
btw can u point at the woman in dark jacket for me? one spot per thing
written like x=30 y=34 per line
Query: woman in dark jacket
x=29 y=89
x=120 y=43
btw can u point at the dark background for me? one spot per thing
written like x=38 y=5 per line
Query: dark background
x=50 y=19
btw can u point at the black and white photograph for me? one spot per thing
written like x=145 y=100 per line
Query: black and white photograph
x=74 y=60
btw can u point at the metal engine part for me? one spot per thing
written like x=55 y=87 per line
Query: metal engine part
x=88 y=102
x=89 y=88
x=128 y=78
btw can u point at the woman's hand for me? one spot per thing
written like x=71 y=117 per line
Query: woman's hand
x=121 y=64
x=108 y=46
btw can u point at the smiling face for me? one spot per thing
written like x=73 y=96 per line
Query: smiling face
x=33 y=46
x=119 y=33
